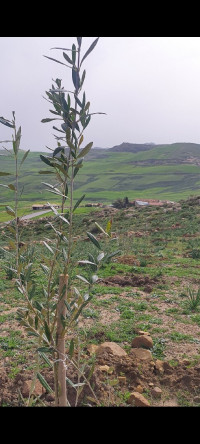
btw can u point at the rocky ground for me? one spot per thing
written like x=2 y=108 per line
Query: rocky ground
x=126 y=372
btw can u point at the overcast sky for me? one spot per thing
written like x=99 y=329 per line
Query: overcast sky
x=149 y=88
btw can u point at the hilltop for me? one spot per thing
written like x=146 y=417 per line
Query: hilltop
x=168 y=153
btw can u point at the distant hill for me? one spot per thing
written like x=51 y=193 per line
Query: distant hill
x=152 y=154
x=132 y=147
x=138 y=171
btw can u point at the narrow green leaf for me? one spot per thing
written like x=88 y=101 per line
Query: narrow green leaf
x=76 y=79
x=81 y=308
x=54 y=112
x=79 y=40
x=67 y=305
x=65 y=255
x=109 y=256
x=78 y=202
x=14 y=147
x=44 y=357
x=78 y=166
x=63 y=218
x=60 y=131
x=92 y=46
x=38 y=306
x=94 y=278
x=74 y=53
x=12 y=246
x=78 y=101
x=66 y=191
x=87 y=106
x=48 y=247
x=54 y=60
x=65 y=126
x=49 y=120
x=58 y=83
x=52 y=207
x=10 y=211
x=67 y=58
x=71 y=145
x=57 y=150
x=44 y=349
x=80 y=141
x=44 y=383
x=85 y=150
x=87 y=121
x=85 y=262
x=71 y=348
x=45 y=160
x=82 y=80
x=82 y=279
x=18 y=138
x=45 y=268
x=50 y=186
x=24 y=157
x=46 y=172
x=70 y=382
x=101 y=229
x=94 y=240
x=12 y=187
x=100 y=257
x=6 y=122
x=47 y=331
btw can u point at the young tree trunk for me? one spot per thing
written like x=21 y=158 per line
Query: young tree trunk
x=60 y=369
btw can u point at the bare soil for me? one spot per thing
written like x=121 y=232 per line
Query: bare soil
x=179 y=380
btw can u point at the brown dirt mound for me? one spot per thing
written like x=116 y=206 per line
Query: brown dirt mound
x=131 y=280
x=125 y=375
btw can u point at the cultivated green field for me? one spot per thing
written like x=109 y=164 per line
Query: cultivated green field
x=163 y=172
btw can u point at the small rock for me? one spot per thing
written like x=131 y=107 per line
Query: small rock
x=139 y=388
x=122 y=379
x=106 y=368
x=138 y=400
x=156 y=392
x=25 y=390
x=141 y=332
x=159 y=366
x=92 y=348
x=111 y=347
x=142 y=341
x=141 y=354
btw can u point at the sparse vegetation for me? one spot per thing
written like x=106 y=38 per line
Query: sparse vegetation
x=162 y=307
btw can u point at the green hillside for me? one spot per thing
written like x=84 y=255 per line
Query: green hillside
x=148 y=171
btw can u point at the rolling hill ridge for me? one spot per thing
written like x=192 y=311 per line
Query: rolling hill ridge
x=138 y=171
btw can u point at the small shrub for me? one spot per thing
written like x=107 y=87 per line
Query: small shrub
x=193 y=298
